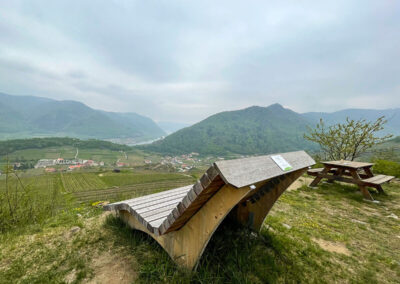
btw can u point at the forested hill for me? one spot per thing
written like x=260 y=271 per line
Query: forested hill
x=254 y=130
x=10 y=146
x=25 y=117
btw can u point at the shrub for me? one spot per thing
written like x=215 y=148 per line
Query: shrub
x=387 y=168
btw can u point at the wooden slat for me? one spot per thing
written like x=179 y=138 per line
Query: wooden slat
x=317 y=170
x=157 y=216
x=159 y=196
x=158 y=210
x=378 y=179
x=157 y=223
x=158 y=201
x=158 y=205
x=348 y=164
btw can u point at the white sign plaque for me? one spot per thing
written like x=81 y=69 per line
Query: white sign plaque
x=281 y=162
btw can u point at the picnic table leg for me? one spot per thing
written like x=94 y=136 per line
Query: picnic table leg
x=379 y=188
x=369 y=174
x=331 y=180
x=338 y=172
x=363 y=188
x=318 y=178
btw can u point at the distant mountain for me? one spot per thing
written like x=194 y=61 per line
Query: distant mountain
x=26 y=116
x=259 y=130
x=391 y=115
x=254 y=130
x=171 y=127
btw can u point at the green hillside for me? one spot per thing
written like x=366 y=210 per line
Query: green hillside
x=254 y=130
x=10 y=146
x=24 y=117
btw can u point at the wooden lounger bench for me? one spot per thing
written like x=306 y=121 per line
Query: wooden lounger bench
x=182 y=220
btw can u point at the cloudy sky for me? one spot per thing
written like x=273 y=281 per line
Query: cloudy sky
x=185 y=60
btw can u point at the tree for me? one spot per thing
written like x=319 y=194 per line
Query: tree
x=347 y=140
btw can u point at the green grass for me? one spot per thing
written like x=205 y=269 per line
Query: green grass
x=75 y=182
x=105 y=247
x=128 y=178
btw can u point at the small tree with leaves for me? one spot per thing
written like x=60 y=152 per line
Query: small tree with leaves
x=348 y=140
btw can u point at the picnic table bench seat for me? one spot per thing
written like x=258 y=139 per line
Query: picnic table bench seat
x=378 y=179
x=314 y=171
x=182 y=220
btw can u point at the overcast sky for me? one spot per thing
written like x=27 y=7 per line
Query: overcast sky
x=185 y=60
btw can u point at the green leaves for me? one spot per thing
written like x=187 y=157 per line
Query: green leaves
x=347 y=140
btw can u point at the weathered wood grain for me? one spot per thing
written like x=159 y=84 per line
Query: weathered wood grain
x=378 y=179
x=247 y=171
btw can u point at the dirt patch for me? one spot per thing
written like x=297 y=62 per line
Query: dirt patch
x=301 y=181
x=111 y=267
x=70 y=277
x=332 y=246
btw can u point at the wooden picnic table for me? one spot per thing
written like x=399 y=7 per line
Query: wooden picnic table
x=358 y=173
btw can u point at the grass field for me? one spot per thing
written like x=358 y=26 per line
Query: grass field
x=324 y=235
x=75 y=182
x=101 y=184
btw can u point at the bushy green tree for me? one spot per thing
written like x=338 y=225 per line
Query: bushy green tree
x=347 y=140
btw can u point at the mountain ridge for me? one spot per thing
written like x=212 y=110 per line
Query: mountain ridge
x=261 y=130
x=29 y=116
x=253 y=130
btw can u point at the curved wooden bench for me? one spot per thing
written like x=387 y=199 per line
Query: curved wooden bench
x=182 y=220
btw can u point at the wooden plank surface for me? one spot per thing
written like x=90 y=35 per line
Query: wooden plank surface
x=378 y=179
x=348 y=164
x=247 y=171
x=314 y=171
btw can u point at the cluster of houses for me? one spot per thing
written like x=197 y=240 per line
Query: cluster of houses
x=182 y=163
x=72 y=164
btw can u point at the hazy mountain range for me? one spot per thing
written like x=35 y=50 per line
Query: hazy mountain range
x=26 y=116
x=253 y=130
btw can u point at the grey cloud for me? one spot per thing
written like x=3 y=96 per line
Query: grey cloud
x=184 y=60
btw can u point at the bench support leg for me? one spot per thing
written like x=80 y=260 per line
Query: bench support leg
x=251 y=212
x=363 y=188
x=379 y=188
x=316 y=181
x=186 y=245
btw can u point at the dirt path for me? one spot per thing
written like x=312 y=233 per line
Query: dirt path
x=110 y=267
x=301 y=181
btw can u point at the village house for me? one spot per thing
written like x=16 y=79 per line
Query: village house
x=50 y=170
